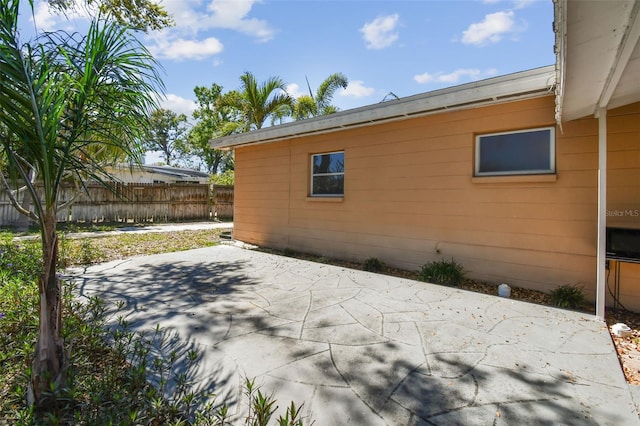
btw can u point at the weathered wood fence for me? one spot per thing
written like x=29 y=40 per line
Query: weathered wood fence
x=149 y=202
x=222 y=201
x=137 y=203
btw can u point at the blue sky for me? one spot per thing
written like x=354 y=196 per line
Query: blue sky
x=403 y=47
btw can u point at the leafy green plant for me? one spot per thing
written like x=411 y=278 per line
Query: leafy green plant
x=224 y=178
x=21 y=258
x=373 y=264
x=447 y=272
x=568 y=296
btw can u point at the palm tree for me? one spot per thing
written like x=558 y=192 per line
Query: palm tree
x=256 y=102
x=311 y=106
x=63 y=98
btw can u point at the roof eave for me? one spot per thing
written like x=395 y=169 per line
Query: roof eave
x=526 y=84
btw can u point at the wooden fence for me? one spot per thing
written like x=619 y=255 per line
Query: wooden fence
x=128 y=203
x=222 y=201
x=149 y=202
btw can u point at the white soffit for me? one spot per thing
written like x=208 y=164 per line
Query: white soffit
x=602 y=56
x=525 y=84
x=627 y=90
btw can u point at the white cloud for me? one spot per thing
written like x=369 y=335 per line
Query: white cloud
x=380 y=32
x=182 y=49
x=193 y=17
x=455 y=76
x=48 y=19
x=232 y=14
x=356 y=89
x=178 y=104
x=490 y=30
x=44 y=19
x=520 y=4
x=294 y=90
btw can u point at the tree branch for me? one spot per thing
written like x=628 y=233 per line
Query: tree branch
x=14 y=202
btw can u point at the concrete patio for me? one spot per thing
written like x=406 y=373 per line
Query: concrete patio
x=367 y=349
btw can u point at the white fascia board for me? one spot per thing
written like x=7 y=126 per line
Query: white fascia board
x=627 y=46
x=560 y=30
x=484 y=92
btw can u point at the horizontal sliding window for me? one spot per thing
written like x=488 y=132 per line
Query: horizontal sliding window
x=327 y=174
x=525 y=152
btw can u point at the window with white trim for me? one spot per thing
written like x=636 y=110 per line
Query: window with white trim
x=524 y=152
x=327 y=174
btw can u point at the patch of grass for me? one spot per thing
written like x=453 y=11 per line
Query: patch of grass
x=568 y=296
x=373 y=264
x=112 y=247
x=447 y=272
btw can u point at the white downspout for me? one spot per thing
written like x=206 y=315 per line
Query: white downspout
x=602 y=213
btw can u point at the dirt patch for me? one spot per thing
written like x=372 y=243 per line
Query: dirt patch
x=628 y=348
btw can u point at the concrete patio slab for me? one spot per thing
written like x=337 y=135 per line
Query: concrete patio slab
x=366 y=349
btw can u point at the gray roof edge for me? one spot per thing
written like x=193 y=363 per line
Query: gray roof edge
x=175 y=171
x=493 y=90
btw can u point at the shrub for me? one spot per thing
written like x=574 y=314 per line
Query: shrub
x=447 y=272
x=289 y=252
x=225 y=178
x=373 y=264
x=568 y=296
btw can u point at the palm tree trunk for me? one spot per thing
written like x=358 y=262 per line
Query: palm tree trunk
x=49 y=363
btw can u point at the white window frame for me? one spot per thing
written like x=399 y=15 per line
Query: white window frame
x=324 y=174
x=552 y=154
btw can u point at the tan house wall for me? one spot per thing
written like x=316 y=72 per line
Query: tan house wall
x=410 y=196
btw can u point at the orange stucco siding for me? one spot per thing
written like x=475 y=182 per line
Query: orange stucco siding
x=410 y=196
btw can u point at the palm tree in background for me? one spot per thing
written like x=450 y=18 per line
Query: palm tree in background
x=257 y=101
x=63 y=100
x=307 y=106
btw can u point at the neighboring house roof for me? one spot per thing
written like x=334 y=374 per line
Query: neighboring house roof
x=598 y=56
x=175 y=172
x=149 y=174
x=525 y=84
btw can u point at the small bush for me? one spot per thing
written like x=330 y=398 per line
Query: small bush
x=288 y=252
x=447 y=272
x=568 y=296
x=373 y=264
